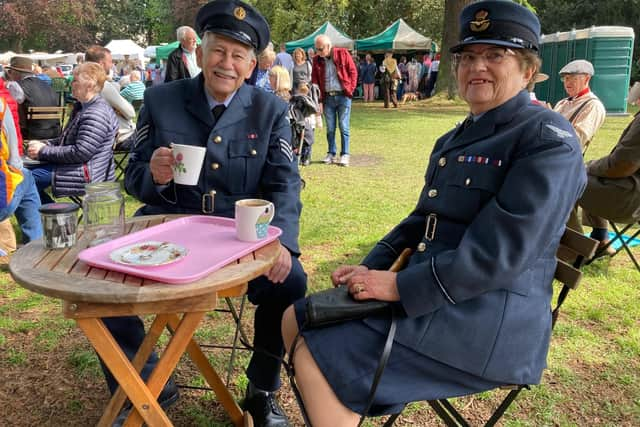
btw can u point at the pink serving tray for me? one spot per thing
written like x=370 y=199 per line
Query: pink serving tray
x=210 y=241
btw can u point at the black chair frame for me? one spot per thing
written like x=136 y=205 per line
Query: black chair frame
x=620 y=236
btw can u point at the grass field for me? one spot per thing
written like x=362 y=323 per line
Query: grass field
x=51 y=376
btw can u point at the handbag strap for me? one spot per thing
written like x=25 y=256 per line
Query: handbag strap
x=382 y=363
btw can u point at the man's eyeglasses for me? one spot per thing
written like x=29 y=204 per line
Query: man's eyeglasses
x=321 y=48
x=491 y=56
x=571 y=77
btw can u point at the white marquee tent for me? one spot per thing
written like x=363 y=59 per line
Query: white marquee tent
x=120 y=48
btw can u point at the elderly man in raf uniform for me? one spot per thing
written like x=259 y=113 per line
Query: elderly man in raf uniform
x=247 y=136
x=582 y=108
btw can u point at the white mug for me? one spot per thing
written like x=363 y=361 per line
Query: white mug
x=188 y=163
x=253 y=217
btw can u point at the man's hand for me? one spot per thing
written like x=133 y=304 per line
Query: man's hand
x=161 y=165
x=281 y=268
x=374 y=284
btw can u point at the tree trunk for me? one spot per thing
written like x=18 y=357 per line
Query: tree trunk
x=446 y=80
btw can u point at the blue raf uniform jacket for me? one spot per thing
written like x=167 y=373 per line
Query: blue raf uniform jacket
x=485 y=232
x=248 y=154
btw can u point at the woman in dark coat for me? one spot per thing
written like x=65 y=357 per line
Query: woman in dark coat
x=84 y=151
x=473 y=304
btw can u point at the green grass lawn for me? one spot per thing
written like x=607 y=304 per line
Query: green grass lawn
x=593 y=377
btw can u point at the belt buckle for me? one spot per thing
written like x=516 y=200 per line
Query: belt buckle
x=431 y=224
x=208 y=201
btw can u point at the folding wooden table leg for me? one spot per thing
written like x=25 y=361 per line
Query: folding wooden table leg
x=117 y=400
x=169 y=359
x=126 y=375
x=215 y=382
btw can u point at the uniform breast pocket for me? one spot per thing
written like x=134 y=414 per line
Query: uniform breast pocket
x=473 y=185
x=245 y=166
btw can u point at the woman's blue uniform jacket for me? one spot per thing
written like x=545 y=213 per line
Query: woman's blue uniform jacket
x=477 y=290
x=248 y=154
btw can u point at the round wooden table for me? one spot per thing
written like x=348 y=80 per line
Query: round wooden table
x=90 y=293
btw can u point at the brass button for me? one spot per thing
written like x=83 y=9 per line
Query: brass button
x=442 y=162
x=217 y=139
x=432 y=193
x=467 y=182
x=422 y=247
x=215 y=166
x=253 y=152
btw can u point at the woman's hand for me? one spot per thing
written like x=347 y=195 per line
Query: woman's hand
x=374 y=284
x=34 y=148
x=161 y=165
x=342 y=274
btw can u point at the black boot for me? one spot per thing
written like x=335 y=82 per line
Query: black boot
x=264 y=408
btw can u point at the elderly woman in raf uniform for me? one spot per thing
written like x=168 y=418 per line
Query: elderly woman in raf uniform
x=247 y=136
x=474 y=300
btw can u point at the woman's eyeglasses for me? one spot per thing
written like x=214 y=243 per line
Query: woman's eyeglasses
x=491 y=56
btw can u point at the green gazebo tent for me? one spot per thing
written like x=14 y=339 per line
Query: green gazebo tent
x=398 y=37
x=337 y=37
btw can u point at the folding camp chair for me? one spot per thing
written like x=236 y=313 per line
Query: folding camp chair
x=574 y=250
x=46 y=113
x=120 y=159
x=624 y=240
x=240 y=339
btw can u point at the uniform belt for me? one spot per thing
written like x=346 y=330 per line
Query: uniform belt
x=443 y=229
x=334 y=93
x=209 y=203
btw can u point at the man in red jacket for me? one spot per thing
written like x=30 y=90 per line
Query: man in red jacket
x=337 y=76
x=13 y=106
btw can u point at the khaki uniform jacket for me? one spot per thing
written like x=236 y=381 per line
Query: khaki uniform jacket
x=588 y=120
x=613 y=187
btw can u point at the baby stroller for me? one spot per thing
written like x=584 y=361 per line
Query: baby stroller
x=302 y=110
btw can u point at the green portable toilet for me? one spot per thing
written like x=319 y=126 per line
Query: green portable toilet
x=610 y=51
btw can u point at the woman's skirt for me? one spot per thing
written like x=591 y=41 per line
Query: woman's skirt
x=348 y=355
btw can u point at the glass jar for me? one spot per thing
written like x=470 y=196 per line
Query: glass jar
x=59 y=223
x=103 y=212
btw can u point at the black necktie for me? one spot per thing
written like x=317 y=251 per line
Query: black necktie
x=217 y=111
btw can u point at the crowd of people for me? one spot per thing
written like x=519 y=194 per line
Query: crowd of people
x=473 y=302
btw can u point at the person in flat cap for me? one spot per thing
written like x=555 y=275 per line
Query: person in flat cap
x=582 y=108
x=471 y=308
x=29 y=91
x=247 y=135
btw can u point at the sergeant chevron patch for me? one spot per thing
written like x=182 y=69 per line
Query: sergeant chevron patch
x=141 y=135
x=285 y=148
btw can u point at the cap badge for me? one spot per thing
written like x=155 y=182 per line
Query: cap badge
x=239 y=13
x=481 y=22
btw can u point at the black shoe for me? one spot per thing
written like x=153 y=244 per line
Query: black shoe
x=168 y=396
x=265 y=410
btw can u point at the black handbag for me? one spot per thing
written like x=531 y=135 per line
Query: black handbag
x=336 y=305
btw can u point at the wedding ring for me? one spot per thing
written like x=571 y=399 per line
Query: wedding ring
x=358 y=288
